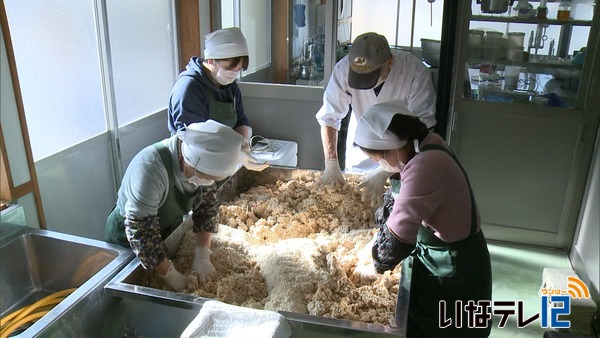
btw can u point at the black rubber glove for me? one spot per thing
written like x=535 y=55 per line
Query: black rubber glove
x=388 y=251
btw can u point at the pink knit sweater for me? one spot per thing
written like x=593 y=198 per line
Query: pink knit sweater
x=434 y=192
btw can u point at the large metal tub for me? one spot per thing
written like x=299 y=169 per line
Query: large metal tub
x=36 y=263
x=128 y=283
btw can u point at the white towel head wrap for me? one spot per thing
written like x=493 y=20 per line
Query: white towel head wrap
x=225 y=43
x=372 y=130
x=211 y=147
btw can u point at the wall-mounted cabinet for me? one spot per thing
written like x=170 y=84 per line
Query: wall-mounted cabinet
x=525 y=60
x=524 y=112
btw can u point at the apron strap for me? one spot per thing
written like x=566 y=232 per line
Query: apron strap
x=177 y=203
x=473 y=210
x=165 y=157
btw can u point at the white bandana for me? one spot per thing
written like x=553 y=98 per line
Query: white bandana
x=211 y=147
x=225 y=43
x=372 y=130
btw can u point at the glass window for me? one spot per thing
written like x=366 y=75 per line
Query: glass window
x=58 y=60
x=56 y=53
x=307 y=42
x=402 y=24
x=286 y=39
x=255 y=23
x=293 y=51
x=143 y=56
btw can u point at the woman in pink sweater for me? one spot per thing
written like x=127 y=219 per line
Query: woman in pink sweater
x=431 y=214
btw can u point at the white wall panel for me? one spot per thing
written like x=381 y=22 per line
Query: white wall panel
x=139 y=134
x=255 y=22
x=77 y=188
x=586 y=251
x=287 y=113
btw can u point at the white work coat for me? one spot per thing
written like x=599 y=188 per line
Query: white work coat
x=409 y=81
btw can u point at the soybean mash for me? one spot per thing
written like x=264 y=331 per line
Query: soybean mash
x=293 y=246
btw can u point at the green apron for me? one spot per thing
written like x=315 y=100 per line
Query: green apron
x=223 y=112
x=176 y=205
x=448 y=271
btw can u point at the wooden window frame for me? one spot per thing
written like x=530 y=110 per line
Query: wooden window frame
x=9 y=192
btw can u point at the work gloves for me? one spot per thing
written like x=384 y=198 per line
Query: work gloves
x=373 y=186
x=202 y=265
x=174 y=278
x=332 y=172
x=249 y=161
x=365 y=268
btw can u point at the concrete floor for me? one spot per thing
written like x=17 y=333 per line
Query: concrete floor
x=517 y=276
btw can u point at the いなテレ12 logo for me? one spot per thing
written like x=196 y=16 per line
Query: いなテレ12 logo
x=557 y=302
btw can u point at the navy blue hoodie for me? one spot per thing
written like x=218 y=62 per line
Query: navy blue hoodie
x=188 y=102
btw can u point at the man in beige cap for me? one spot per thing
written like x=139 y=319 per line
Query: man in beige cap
x=162 y=184
x=369 y=74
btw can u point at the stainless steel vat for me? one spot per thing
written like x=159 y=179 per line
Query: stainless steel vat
x=128 y=282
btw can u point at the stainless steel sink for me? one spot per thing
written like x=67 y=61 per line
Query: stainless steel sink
x=36 y=263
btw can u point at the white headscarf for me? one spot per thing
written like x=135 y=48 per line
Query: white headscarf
x=211 y=147
x=225 y=43
x=372 y=130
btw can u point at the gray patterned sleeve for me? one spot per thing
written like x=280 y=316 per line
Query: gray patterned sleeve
x=205 y=211
x=145 y=240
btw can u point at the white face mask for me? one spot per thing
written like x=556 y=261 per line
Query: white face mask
x=201 y=182
x=224 y=76
x=389 y=168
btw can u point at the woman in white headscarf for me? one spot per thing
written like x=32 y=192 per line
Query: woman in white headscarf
x=162 y=184
x=431 y=214
x=207 y=88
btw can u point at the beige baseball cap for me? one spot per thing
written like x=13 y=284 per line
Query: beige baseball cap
x=368 y=53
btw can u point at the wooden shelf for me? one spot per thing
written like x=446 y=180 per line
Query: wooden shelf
x=534 y=64
x=509 y=19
